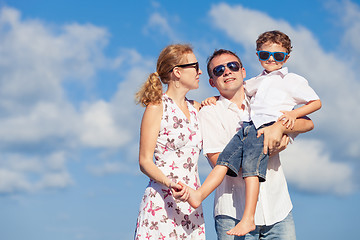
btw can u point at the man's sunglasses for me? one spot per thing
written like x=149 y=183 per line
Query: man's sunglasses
x=278 y=56
x=195 y=65
x=220 y=69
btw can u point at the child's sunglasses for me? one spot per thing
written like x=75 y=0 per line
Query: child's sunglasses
x=278 y=56
x=195 y=65
x=220 y=69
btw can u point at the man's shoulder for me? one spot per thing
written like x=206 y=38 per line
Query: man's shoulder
x=213 y=107
x=212 y=111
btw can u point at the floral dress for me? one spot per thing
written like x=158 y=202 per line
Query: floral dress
x=176 y=155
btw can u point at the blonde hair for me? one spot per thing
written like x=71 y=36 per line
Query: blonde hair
x=151 y=91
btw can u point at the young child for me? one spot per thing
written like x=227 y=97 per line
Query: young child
x=273 y=95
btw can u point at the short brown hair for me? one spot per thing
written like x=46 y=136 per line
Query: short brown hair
x=219 y=52
x=274 y=36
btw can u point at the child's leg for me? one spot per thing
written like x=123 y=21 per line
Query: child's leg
x=247 y=223
x=228 y=162
x=212 y=181
x=254 y=166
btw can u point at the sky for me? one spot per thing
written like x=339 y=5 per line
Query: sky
x=69 y=124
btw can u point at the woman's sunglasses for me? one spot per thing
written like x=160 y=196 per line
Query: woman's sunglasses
x=195 y=65
x=278 y=56
x=220 y=69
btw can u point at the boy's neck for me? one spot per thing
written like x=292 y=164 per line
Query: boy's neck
x=272 y=70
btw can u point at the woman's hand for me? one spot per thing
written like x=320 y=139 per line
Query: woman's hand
x=180 y=191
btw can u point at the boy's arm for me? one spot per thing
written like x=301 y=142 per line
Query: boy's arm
x=288 y=118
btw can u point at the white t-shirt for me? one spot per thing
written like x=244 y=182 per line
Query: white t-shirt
x=219 y=123
x=274 y=92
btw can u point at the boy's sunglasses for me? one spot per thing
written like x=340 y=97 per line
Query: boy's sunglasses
x=278 y=56
x=220 y=69
x=195 y=65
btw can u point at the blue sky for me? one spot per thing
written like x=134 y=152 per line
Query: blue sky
x=69 y=126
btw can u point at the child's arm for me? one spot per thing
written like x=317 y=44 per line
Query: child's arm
x=289 y=117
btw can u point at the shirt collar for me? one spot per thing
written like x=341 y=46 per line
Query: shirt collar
x=227 y=103
x=282 y=72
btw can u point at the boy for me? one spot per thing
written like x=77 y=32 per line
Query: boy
x=274 y=93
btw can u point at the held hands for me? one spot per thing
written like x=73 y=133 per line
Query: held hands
x=180 y=191
x=288 y=119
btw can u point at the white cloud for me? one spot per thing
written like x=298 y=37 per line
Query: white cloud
x=160 y=24
x=37 y=118
x=100 y=129
x=348 y=16
x=21 y=173
x=308 y=166
x=13 y=181
x=54 y=180
x=36 y=60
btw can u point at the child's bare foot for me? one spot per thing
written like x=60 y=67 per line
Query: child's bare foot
x=242 y=228
x=195 y=197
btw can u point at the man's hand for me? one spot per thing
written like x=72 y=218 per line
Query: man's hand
x=210 y=101
x=272 y=137
x=283 y=144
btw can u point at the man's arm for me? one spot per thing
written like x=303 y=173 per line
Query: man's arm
x=274 y=133
x=212 y=157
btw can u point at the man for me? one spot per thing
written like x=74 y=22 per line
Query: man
x=219 y=123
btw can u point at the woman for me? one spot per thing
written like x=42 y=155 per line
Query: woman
x=170 y=132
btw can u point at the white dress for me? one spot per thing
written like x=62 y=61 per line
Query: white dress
x=176 y=155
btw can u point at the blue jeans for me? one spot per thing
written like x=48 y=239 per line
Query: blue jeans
x=245 y=150
x=283 y=230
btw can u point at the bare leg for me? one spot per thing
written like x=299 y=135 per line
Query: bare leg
x=212 y=181
x=247 y=223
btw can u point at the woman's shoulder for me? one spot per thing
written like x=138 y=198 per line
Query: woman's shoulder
x=195 y=104
x=154 y=108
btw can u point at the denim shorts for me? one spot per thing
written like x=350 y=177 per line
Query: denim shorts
x=245 y=150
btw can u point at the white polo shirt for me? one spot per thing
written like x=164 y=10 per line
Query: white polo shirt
x=219 y=123
x=274 y=92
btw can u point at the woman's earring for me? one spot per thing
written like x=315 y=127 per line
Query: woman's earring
x=177 y=85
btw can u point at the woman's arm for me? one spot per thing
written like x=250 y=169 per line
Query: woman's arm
x=150 y=127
